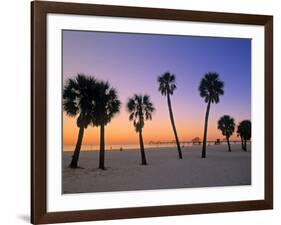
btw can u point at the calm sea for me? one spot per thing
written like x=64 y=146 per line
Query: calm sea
x=124 y=146
x=119 y=147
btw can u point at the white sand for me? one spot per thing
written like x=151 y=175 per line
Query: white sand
x=164 y=169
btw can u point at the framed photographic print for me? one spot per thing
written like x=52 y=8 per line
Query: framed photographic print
x=143 y=112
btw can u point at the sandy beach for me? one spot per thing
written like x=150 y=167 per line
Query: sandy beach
x=164 y=169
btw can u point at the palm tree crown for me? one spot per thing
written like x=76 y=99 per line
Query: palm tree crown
x=106 y=102
x=167 y=83
x=140 y=108
x=211 y=87
x=227 y=125
x=78 y=98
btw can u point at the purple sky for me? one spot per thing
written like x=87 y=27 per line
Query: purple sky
x=132 y=62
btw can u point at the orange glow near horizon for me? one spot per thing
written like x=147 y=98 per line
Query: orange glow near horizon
x=121 y=131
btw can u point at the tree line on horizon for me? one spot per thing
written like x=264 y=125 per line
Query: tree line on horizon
x=95 y=102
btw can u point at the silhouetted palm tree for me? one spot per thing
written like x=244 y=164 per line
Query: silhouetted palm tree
x=244 y=131
x=78 y=101
x=227 y=126
x=166 y=87
x=106 y=106
x=239 y=130
x=210 y=88
x=140 y=109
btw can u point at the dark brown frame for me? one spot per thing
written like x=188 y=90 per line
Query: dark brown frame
x=39 y=11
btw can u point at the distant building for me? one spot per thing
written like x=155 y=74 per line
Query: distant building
x=196 y=140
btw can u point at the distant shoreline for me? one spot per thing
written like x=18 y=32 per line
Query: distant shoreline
x=88 y=148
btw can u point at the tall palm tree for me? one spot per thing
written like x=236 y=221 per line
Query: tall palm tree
x=167 y=86
x=78 y=101
x=244 y=131
x=227 y=126
x=106 y=106
x=210 y=88
x=140 y=109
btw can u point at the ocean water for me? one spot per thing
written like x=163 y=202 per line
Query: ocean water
x=119 y=147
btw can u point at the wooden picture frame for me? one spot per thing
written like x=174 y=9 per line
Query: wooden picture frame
x=40 y=9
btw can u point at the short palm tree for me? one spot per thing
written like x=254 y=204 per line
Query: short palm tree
x=227 y=126
x=78 y=101
x=167 y=86
x=140 y=109
x=244 y=131
x=210 y=88
x=106 y=106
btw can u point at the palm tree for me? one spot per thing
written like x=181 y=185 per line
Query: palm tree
x=140 y=109
x=239 y=134
x=166 y=87
x=244 y=131
x=210 y=88
x=106 y=106
x=78 y=101
x=227 y=126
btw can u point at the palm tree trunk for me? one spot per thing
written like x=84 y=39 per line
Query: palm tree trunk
x=143 y=158
x=245 y=145
x=205 y=130
x=242 y=143
x=229 y=149
x=75 y=157
x=173 y=125
x=101 y=161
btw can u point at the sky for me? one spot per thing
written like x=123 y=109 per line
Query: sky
x=132 y=62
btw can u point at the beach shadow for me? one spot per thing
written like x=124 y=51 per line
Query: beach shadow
x=25 y=218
